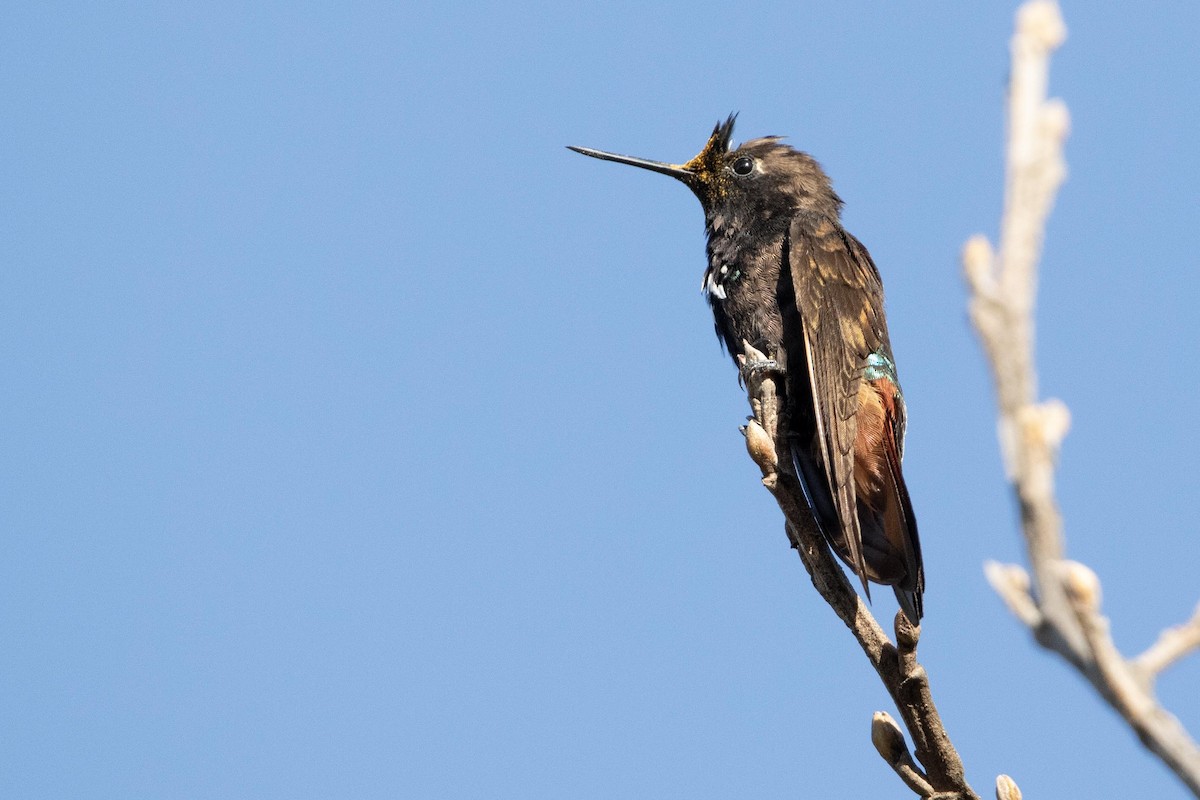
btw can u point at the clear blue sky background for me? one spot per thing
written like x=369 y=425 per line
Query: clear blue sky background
x=361 y=441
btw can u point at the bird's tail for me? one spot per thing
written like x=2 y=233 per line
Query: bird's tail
x=910 y=603
x=900 y=529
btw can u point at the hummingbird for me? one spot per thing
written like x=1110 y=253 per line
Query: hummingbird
x=785 y=277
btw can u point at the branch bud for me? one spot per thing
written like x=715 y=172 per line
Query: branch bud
x=1056 y=120
x=1006 y=788
x=1082 y=584
x=760 y=446
x=978 y=264
x=887 y=738
x=1042 y=21
x=1055 y=419
x=907 y=632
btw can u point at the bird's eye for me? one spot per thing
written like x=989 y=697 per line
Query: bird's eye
x=743 y=166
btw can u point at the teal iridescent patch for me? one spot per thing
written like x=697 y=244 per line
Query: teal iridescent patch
x=880 y=366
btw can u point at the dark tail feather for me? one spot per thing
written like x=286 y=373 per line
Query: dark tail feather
x=896 y=530
x=814 y=484
x=911 y=603
x=901 y=526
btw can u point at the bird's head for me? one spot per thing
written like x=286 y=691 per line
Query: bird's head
x=754 y=182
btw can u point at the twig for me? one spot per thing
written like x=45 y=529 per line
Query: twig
x=903 y=677
x=1061 y=605
x=1172 y=645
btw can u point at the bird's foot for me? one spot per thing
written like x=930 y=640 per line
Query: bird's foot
x=754 y=366
x=756 y=373
x=759 y=366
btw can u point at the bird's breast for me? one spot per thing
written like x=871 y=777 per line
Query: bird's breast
x=742 y=290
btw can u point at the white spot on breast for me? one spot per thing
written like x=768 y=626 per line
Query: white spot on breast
x=713 y=288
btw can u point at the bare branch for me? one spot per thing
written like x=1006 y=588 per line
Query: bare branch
x=1062 y=608
x=902 y=675
x=1011 y=582
x=1172 y=645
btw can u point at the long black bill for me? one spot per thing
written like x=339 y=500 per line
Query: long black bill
x=674 y=170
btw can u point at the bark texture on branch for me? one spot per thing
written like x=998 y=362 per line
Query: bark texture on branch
x=1061 y=602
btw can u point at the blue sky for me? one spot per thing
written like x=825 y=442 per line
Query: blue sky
x=361 y=441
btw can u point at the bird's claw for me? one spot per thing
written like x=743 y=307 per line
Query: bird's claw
x=752 y=371
x=761 y=365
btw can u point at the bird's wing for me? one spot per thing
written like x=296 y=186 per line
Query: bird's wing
x=840 y=300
